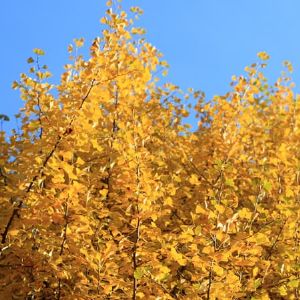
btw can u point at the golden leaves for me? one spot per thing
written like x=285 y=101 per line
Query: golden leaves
x=288 y=65
x=194 y=179
x=163 y=273
x=14 y=232
x=69 y=169
x=255 y=271
x=245 y=213
x=15 y=85
x=218 y=270
x=103 y=20
x=263 y=55
x=208 y=250
x=30 y=60
x=232 y=279
x=70 y=48
x=138 y=31
x=136 y=9
x=38 y=51
x=200 y=210
x=168 y=201
x=178 y=257
x=131 y=196
x=260 y=239
x=78 y=42
x=104 y=193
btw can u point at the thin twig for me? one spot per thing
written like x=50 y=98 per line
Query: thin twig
x=210 y=278
x=270 y=252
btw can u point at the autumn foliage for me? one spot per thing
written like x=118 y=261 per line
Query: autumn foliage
x=105 y=193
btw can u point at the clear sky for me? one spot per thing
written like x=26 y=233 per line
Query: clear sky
x=204 y=41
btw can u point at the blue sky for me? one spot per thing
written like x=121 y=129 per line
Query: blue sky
x=204 y=41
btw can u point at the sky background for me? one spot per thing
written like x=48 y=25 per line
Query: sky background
x=204 y=41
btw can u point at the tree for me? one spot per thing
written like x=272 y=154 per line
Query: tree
x=106 y=194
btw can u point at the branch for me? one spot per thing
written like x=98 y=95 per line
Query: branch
x=59 y=139
x=210 y=278
x=276 y=241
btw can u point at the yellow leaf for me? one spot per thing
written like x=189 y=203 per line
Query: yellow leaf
x=165 y=72
x=103 y=20
x=138 y=273
x=218 y=270
x=59 y=178
x=289 y=193
x=79 y=42
x=220 y=208
x=186 y=237
x=104 y=193
x=194 y=179
x=140 y=295
x=260 y=239
x=245 y=213
x=69 y=169
x=38 y=160
x=168 y=201
x=282 y=291
x=198 y=230
x=288 y=65
x=136 y=30
x=96 y=145
x=163 y=272
x=231 y=278
x=80 y=161
x=176 y=178
x=263 y=55
x=265 y=296
x=14 y=232
x=230 y=182
x=70 y=48
x=255 y=250
x=58 y=260
x=178 y=257
x=30 y=60
x=208 y=250
x=255 y=271
x=15 y=85
x=38 y=51
x=68 y=155
x=200 y=210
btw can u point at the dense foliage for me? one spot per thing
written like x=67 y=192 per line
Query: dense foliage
x=106 y=194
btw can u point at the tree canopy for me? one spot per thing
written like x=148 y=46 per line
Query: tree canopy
x=106 y=193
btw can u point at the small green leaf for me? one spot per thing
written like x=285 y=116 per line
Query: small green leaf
x=138 y=273
x=229 y=182
x=257 y=283
x=294 y=283
x=267 y=185
x=282 y=291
